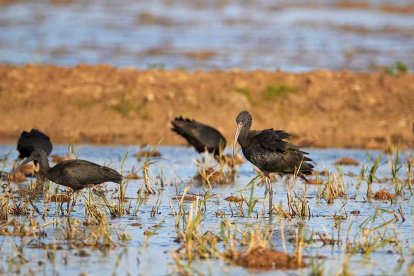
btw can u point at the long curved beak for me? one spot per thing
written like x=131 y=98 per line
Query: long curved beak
x=239 y=127
x=21 y=165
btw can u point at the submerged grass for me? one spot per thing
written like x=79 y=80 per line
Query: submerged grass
x=210 y=171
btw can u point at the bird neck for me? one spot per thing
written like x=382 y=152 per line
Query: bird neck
x=44 y=166
x=243 y=136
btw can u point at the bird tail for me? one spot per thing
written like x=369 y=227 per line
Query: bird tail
x=180 y=124
x=305 y=168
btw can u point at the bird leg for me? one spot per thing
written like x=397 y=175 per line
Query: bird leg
x=269 y=191
x=75 y=197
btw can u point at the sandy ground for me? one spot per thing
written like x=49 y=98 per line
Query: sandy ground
x=108 y=105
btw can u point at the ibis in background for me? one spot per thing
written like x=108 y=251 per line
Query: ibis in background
x=32 y=140
x=202 y=137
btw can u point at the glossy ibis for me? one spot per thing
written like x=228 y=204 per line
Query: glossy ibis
x=75 y=174
x=202 y=137
x=32 y=140
x=268 y=151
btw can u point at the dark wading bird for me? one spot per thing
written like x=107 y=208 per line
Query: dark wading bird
x=267 y=150
x=202 y=137
x=32 y=140
x=75 y=174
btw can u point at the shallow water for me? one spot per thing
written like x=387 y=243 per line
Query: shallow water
x=153 y=255
x=290 y=35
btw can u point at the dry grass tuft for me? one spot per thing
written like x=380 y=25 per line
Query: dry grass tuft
x=234 y=199
x=315 y=181
x=145 y=154
x=58 y=198
x=265 y=258
x=17 y=177
x=58 y=158
x=211 y=175
x=185 y=197
x=133 y=176
x=384 y=195
x=347 y=161
x=27 y=170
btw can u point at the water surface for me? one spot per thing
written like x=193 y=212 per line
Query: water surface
x=152 y=255
x=288 y=35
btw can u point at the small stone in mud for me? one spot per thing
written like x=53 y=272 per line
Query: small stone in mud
x=384 y=195
x=264 y=258
x=347 y=161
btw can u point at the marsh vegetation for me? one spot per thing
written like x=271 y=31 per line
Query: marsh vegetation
x=167 y=221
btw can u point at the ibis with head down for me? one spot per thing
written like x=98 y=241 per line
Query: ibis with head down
x=201 y=136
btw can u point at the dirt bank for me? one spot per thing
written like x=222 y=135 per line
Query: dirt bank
x=104 y=104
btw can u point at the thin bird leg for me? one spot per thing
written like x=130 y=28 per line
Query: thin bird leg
x=68 y=203
x=266 y=192
x=269 y=189
x=68 y=214
x=74 y=198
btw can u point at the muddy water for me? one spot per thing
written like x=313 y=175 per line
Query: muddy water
x=292 y=36
x=152 y=255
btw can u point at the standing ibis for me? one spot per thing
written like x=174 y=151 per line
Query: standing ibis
x=269 y=152
x=202 y=137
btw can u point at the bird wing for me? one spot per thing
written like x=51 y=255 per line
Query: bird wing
x=78 y=172
x=199 y=135
x=272 y=140
x=273 y=154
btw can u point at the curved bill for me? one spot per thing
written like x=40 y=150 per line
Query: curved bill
x=21 y=165
x=239 y=127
